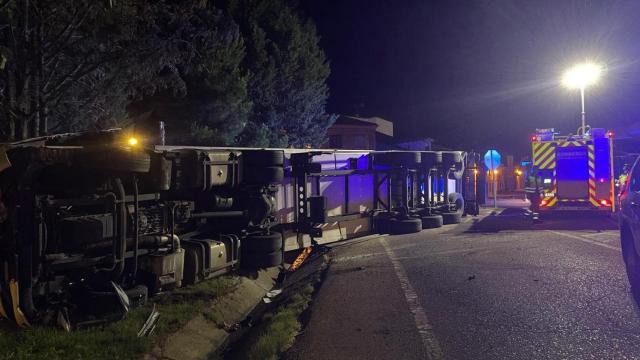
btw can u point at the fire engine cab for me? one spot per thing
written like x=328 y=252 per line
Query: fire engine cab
x=571 y=172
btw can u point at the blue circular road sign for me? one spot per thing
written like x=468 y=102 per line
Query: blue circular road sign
x=492 y=159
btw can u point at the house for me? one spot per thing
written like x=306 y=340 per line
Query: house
x=357 y=133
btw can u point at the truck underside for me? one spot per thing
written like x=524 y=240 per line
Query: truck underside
x=88 y=227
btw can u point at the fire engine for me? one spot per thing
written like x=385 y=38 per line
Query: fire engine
x=571 y=172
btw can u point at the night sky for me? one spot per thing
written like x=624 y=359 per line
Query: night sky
x=474 y=74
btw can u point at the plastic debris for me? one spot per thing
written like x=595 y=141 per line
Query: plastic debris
x=150 y=324
x=124 y=298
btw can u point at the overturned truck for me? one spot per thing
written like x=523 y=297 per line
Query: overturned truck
x=87 y=220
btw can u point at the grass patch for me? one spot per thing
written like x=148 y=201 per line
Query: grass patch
x=117 y=340
x=278 y=330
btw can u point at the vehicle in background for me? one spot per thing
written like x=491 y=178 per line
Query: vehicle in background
x=629 y=223
x=572 y=172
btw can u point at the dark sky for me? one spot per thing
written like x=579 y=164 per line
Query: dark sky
x=480 y=73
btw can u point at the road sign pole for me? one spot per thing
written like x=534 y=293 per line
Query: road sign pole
x=495 y=183
x=492 y=161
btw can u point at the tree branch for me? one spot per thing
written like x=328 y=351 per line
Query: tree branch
x=4 y=4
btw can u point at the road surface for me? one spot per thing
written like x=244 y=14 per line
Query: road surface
x=494 y=287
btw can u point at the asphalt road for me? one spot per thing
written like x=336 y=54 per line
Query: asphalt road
x=494 y=287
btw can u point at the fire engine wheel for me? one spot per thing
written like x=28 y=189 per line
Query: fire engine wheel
x=405 y=226
x=114 y=159
x=263 y=175
x=255 y=260
x=262 y=243
x=451 y=218
x=431 y=222
x=261 y=158
x=631 y=261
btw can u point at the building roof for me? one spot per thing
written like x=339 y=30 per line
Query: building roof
x=348 y=120
x=384 y=126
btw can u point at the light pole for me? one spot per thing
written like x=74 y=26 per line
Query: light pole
x=580 y=77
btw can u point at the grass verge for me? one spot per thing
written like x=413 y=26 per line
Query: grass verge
x=277 y=330
x=117 y=340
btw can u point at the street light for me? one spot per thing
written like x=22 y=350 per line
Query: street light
x=579 y=77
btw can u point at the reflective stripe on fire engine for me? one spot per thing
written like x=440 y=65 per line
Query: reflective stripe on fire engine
x=592 y=177
x=544 y=155
x=571 y=143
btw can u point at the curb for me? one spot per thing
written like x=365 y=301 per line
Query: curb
x=200 y=337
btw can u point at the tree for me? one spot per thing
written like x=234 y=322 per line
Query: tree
x=214 y=106
x=73 y=64
x=288 y=73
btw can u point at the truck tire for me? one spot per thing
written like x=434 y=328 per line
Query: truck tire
x=451 y=218
x=431 y=159
x=114 y=159
x=456 y=198
x=398 y=158
x=432 y=221
x=159 y=176
x=381 y=222
x=263 y=175
x=262 y=158
x=451 y=157
x=262 y=243
x=405 y=226
x=252 y=260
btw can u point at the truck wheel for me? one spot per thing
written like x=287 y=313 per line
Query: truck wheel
x=263 y=175
x=451 y=157
x=431 y=222
x=159 y=176
x=405 y=226
x=451 y=218
x=381 y=222
x=261 y=158
x=253 y=260
x=398 y=158
x=456 y=198
x=262 y=243
x=114 y=159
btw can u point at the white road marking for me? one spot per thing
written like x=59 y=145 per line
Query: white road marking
x=434 y=352
x=584 y=239
x=355 y=257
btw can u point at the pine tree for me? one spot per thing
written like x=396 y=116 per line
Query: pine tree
x=288 y=73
